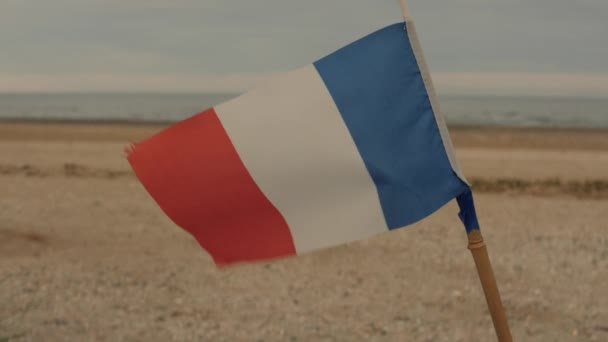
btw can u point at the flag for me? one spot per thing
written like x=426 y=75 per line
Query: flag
x=345 y=148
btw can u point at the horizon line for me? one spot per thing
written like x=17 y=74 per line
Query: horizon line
x=446 y=83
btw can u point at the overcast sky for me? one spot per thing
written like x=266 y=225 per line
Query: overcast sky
x=514 y=46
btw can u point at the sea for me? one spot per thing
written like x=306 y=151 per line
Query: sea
x=496 y=111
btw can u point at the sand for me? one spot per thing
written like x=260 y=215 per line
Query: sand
x=86 y=255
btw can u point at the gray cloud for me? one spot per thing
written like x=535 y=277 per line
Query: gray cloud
x=515 y=35
x=214 y=37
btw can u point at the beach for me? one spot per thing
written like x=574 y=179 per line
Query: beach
x=86 y=254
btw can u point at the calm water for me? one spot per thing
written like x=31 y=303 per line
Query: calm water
x=459 y=110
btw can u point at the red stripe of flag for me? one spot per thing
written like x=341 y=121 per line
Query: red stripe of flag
x=195 y=174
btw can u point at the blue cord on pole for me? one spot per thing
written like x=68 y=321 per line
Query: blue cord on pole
x=467 y=213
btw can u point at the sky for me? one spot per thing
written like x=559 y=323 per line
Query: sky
x=515 y=47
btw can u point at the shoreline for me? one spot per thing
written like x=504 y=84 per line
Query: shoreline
x=133 y=122
x=536 y=161
x=462 y=136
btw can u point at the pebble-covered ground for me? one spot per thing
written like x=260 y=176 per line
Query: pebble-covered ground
x=86 y=255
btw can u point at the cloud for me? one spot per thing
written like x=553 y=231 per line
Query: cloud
x=522 y=83
x=80 y=43
x=112 y=82
x=447 y=83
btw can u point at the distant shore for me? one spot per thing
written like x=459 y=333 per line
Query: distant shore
x=486 y=137
x=540 y=161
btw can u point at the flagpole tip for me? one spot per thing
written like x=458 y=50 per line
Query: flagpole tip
x=405 y=10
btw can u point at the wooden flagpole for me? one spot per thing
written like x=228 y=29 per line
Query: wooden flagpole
x=476 y=244
x=488 y=283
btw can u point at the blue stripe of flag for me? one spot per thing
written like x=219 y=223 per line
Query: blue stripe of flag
x=378 y=88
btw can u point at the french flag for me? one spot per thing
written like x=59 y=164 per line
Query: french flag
x=350 y=146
